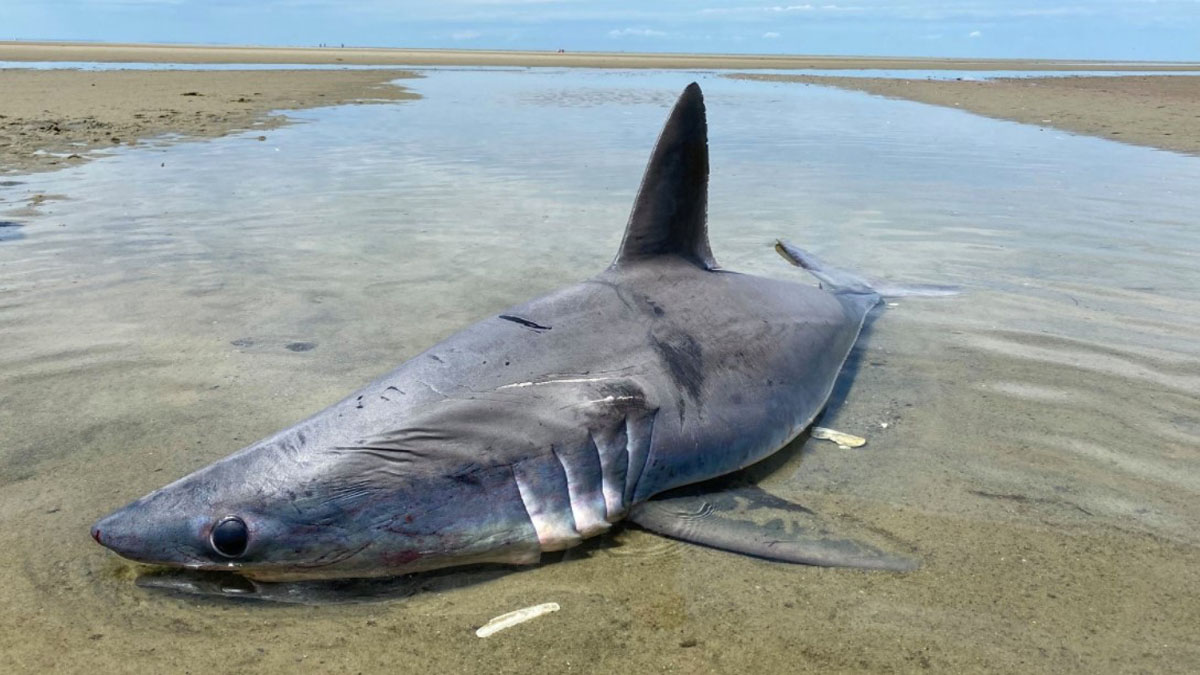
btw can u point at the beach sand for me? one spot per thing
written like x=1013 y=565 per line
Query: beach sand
x=1154 y=110
x=1042 y=468
x=49 y=119
x=55 y=118
x=376 y=56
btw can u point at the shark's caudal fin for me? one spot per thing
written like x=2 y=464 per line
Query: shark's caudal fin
x=670 y=213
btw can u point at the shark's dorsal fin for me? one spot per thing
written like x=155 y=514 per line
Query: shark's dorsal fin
x=670 y=213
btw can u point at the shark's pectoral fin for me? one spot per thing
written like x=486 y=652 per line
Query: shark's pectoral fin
x=751 y=521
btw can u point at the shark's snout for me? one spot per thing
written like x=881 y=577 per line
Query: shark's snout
x=117 y=532
x=144 y=532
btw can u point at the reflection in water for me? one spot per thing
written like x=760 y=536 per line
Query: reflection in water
x=344 y=591
x=9 y=230
x=1032 y=437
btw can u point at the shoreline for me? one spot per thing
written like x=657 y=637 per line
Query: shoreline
x=1157 y=111
x=51 y=119
x=380 y=56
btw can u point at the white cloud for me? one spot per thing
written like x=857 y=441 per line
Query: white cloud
x=974 y=34
x=780 y=9
x=133 y=4
x=635 y=32
x=770 y=35
x=465 y=35
x=940 y=10
x=944 y=11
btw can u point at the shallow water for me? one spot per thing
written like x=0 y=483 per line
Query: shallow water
x=166 y=305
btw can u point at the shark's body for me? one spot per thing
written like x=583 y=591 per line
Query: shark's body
x=536 y=428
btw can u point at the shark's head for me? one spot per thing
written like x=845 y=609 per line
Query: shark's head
x=277 y=512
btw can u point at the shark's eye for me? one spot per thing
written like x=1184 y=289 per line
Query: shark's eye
x=229 y=537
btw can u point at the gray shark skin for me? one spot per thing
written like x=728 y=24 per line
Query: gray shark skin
x=539 y=427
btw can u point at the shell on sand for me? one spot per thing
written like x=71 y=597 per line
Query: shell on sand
x=515 y=617
x=843 y=440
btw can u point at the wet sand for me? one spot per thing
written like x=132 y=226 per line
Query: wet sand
x=55 y=118
x=1039 y=454
x=1154 y=110
x=51 y=119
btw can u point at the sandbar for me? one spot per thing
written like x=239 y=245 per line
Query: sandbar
x=381 y=56
x=55 y=118
x=50 y=118
x=1153 y=110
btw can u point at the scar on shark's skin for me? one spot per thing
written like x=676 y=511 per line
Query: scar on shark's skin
x=576 y=380
x=524 y=322
x=511 y=445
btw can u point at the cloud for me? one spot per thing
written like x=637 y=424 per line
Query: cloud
x=135 y=4
x=635 y=32
x=779 y=9
x=1104 y=29
x=974 y=34
x=770 y=35
x=939 y=10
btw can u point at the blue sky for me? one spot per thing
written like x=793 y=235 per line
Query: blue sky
x=1103 y=29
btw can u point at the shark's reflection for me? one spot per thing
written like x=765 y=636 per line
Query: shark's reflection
x=227 y=585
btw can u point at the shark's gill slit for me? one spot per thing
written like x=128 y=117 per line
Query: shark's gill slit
x=640 y=435
x=582 y=466
x=614 y=465
x=542 y=486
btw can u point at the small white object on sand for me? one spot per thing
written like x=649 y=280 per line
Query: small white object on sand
x=515 y=617
x=844 y=441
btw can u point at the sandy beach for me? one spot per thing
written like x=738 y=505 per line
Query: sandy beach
x=55 y=118
x=377 y=56
x=1154 y=110
x=1031 y=440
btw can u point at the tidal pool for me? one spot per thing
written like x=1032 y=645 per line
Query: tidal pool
x=1035 y=439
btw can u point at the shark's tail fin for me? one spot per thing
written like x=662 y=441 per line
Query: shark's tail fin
x=840 y=281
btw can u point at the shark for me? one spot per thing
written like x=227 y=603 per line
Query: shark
x=620 y=398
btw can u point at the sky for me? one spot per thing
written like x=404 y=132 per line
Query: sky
x=1153 y=30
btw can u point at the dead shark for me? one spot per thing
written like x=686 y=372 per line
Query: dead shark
x=542 y=426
